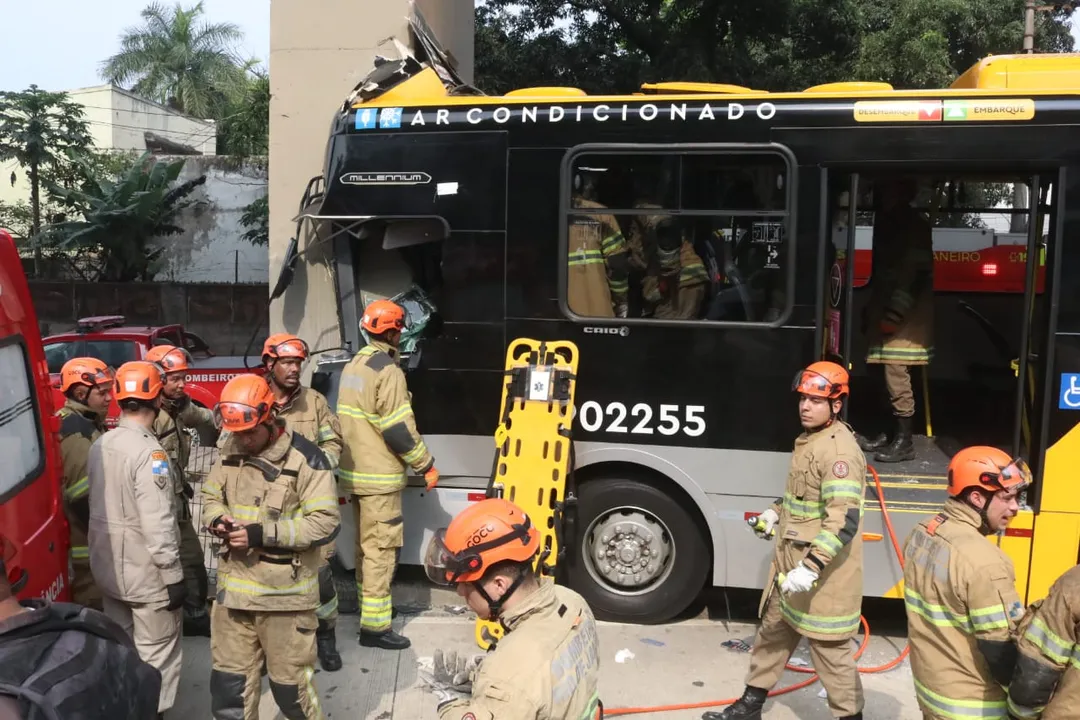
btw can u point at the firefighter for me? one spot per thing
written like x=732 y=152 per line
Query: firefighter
x=380 y=439
x=960 y=590
x=178 y=415
x=598 y=279
x=306 y=413
x=898 y=319
x=815 y=581
x=546 y=666
x=87 y=387
x=134 y=539
x=1046 y=681
x=684 y=298
x=271 y=500
x=38 y=642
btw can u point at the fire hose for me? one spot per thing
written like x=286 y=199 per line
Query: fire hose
x=794 y=668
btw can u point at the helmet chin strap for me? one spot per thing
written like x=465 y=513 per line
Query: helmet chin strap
x=495 y=607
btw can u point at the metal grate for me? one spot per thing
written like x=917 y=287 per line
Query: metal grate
x=199 y=464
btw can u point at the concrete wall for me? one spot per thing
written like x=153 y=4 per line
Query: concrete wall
x=212 y=249
x=224 y=316
x=319 y=50
x=117 y=120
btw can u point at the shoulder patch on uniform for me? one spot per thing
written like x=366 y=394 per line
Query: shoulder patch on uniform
x=379 y=360
x=75 y=424
x=468 y=716
x=159 y=467
x=316 y=458
x=840 y=469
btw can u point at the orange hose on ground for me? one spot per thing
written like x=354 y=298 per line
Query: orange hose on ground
x=813 y=675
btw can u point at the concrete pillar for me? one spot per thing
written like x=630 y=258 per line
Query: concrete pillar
x=319 y=51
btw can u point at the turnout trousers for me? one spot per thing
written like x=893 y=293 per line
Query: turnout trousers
x=239 y=642
x=834 y=661
x=327 y=612
x=380 y=534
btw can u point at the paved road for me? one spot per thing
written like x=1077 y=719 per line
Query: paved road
x=682 y=662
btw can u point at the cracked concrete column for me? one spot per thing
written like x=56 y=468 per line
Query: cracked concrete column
x=319 y=50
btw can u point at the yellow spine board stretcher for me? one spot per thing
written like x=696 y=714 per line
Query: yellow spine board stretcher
x=534 y=448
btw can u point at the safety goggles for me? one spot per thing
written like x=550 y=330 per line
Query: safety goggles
x=808 y=382
x=175 y=360
x=445 y=567
x=237 y=416
x=98 y=377
x=1014 y=476
x=295 y=348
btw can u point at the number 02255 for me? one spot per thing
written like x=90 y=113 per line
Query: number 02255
x=642 y=418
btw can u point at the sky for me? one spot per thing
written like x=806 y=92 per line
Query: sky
x=59 y=44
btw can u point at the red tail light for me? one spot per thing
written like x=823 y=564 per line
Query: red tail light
x=989 y=269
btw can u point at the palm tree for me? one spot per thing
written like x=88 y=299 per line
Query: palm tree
x=178 y=61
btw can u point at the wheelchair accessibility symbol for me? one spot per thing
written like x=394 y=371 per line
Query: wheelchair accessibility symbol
x=1070 y=392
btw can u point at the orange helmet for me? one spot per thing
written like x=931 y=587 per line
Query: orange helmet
x=138 y=380
x=246 y=401
x=170 y=358
x=821 y=379
x=986 y=468
x=383 y=315
x=488 y=532
x=84 y=371
x=284 y=345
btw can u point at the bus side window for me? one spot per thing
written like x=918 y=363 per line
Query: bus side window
x=678 y=236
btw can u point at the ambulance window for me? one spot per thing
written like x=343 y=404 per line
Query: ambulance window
x=20 y=436
x=691 y=236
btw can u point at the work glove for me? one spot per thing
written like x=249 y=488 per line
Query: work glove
x=456 y=671
x=765 y=526
x=431 y=477
x=189 y=491
x=801 y=579
x=177 y=595
x=622 y=310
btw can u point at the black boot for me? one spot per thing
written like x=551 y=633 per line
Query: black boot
x=902 y=447
x=748 y=707
x=870 y=445
x=326 y=644
x=856 y=716
x=196 y=622
x=388 y=640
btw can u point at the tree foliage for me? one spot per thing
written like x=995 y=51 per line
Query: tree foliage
x=176 y=59
x=121 y=217
x=615 y=45
x=40 y=131
x=245 y=129
x=256 y=219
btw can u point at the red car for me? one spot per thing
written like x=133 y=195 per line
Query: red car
x=108 y=339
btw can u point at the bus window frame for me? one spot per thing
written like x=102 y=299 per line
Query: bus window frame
x=35 y=407
x=790 y=220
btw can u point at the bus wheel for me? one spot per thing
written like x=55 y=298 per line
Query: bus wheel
x=640 y=555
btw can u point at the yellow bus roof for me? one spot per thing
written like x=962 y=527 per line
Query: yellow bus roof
x=1035 y=74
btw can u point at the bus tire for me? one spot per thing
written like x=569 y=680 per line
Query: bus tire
x=610 y=515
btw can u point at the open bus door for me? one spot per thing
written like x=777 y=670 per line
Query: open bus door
x=989 y=381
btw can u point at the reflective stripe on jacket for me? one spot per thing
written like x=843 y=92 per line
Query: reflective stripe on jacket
x=546 y=667
x=377 y=425
x=1046 y=682
x=288 y=489
x=307 y=414
x=958 y=588
x=821 y=521
x=79 y=428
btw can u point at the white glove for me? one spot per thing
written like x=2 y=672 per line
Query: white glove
x=800 y=579
x=447 y=696
x=765 y=526
x=455 y=671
